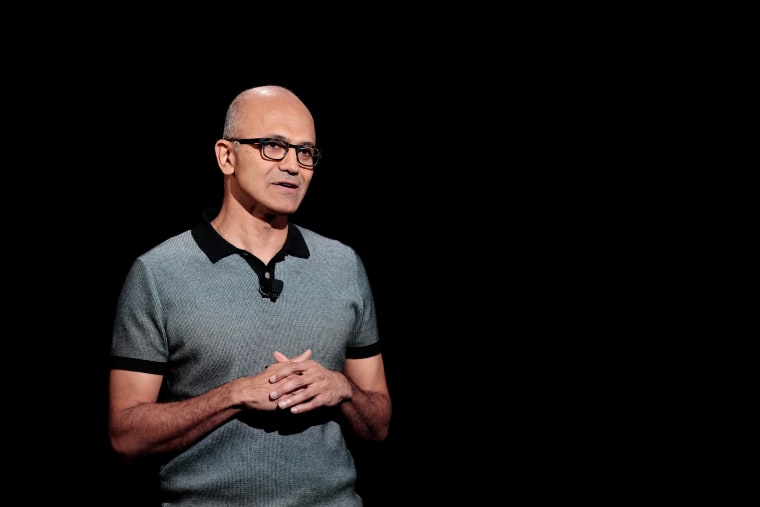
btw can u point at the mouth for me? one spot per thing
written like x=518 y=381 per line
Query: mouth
x=286 y=184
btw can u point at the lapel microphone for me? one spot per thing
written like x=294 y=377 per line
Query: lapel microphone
x=270 y=288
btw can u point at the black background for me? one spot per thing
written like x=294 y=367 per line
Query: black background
x=132 y=163
x=490 y=170
x=438 y=169
x=450 y=177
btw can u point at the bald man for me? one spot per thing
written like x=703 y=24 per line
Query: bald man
x=245 y=347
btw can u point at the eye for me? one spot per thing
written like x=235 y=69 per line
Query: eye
x=273 y=145
x=306 y=151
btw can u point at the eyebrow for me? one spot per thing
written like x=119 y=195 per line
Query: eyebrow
x=284 y=139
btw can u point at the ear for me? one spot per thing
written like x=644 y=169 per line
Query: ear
x=225 y=156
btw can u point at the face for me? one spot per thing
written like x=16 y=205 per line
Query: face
x=268 y=187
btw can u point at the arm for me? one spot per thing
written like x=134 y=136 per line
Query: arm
x=361 y=390
x=138 y=425
x=368 y=409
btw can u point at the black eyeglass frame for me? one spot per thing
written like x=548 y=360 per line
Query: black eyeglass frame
x=261 y=141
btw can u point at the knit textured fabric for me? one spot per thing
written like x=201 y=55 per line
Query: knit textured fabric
x=197 y=317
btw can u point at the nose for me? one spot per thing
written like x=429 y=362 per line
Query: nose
x=290 y=162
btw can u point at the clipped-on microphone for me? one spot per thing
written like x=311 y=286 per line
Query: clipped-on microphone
x=270 y=288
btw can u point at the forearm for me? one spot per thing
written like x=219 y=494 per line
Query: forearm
x=368 y=413
x=151 y=428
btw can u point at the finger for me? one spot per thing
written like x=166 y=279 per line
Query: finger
x=282 y=358
x=303 y=356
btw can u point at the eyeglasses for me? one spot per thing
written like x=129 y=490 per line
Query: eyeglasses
x=277 y=149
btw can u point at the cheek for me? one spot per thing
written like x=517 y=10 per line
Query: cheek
x=248 y=182
x=306 y=181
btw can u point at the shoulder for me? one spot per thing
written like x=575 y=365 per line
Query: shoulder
x=170 y=245
x=171 y=250
x=320 y=244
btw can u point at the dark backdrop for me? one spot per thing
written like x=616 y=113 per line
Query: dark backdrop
x=487 y=174
x=448 y=166
x=144 y=168
x=446 y=183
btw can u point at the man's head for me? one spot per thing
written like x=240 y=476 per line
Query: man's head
x=262 y=125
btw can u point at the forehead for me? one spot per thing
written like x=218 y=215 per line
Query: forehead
x=279 y=116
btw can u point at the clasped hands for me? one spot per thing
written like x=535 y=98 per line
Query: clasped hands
x=298 y=384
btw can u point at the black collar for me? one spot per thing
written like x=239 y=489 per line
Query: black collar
x=216 y=247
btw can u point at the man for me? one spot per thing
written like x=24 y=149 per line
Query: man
x=244 y=347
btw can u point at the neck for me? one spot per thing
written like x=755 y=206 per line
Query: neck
x=261 y=235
